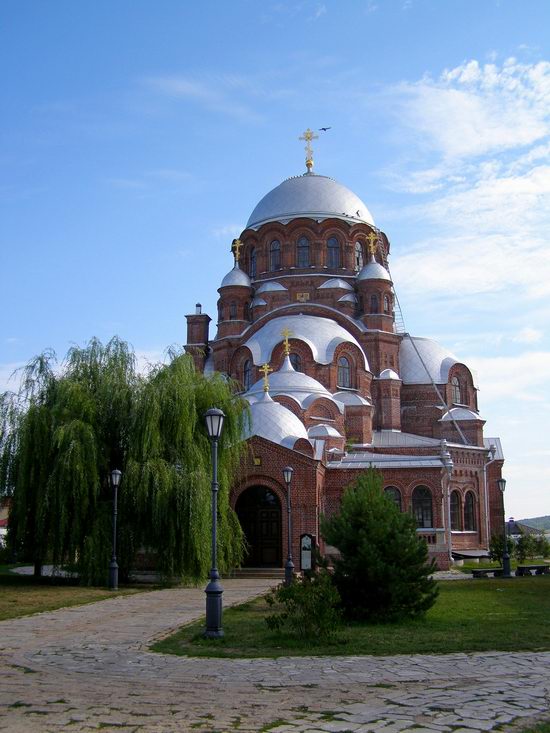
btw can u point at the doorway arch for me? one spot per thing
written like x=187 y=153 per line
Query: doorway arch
x=259 y=512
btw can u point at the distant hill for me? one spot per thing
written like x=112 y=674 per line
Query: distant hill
x=537 y=522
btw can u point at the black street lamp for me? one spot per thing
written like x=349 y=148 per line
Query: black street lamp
x=115 y=477
x=214 y=425
x=289 y=565
x=505 y=554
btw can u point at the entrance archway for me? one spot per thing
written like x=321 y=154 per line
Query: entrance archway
x=259 y=512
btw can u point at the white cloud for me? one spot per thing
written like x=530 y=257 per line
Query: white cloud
x=477 y=109
x=9 y=379
x=521 y=376
x=529 y=335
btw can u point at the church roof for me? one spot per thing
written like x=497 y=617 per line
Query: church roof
x=460 y=413
x=287 y=381
x=437 y=361
x=322 y=335
x=312 y=196
x=373 y=271
x=272 y=421
x=236 y=277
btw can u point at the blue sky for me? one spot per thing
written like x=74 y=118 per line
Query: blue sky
x=137 y=137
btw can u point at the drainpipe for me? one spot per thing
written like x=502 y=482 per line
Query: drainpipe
x=490 y=453
x=447 y=472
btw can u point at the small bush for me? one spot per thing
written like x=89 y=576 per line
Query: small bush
x=309 y=607
x=542 y=547
x=496 y=547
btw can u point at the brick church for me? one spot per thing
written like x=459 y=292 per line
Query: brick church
x=309 y=326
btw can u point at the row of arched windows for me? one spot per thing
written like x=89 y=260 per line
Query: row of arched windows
x=303 y=255
x=422 y=508
x=470 y=519
x=421 y=504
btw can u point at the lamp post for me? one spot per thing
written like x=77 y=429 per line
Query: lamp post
x=505 y=554
x=214 y=425
x=448 y=466
x=289 y=565
x=115 y=477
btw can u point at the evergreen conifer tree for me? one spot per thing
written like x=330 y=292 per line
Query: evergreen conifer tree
x=383 y=573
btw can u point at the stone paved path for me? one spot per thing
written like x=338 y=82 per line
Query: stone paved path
x=87 y=668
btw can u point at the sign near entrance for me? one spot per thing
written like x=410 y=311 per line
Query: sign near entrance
x=307 y=552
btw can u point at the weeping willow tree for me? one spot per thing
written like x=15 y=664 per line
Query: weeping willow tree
x=67 y=429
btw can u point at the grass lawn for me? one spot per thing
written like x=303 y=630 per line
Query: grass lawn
x=23 y=600
x=481 y=615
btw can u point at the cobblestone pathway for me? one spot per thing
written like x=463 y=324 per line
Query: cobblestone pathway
x=88 y=668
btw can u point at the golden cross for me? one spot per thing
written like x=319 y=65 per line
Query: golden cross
x=285 y=333
x=372 y=237
x=265 y=368
x=308 y=136
x=236 y=248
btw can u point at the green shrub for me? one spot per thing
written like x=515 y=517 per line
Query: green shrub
x=309 y=607
x=383 y=573
x=496 y=547
x=526 y=547
x=542 y=547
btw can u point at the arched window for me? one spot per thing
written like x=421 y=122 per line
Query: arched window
x=302 y=260
x=358 y=256
x=456 y=395
x=374 y=307
x=220 y=312
x=275 y=255
x=232 y=311
x=394 y=494
x=422 y=507
x=470 y=523
x=456 y=514
x=333 y=252
x=253 y=263
x=387 y=305
x=296 y=362
x=247 y=374
x=344 y=372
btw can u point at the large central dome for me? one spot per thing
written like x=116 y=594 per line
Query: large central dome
x=310 y=196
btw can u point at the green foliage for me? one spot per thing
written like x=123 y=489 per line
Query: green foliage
x=66 y=430
x=309 y=607
x=383 y=570
x=541 y=546
x=526 y=547
x=496 y=547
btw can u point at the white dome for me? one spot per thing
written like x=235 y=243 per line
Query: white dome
x=310 y=196
x=322 y=335
x=336 y=282
x=287 y=381
x=436 y=360
x=460 y=413
x=323 y=431
x=373 y=271
x=270 y=287
x=272 y=421
x=236 y=277
x=388 y=374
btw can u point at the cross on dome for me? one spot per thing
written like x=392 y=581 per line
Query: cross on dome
x=265 y=368
x=286 y=333
x=308 y=136
x=373 y=243
x=236 y=249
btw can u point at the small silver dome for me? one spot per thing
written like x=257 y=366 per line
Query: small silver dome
x=335 y=282
x=236 y=277
x=460 y=413
x=310 y=196
x=270 y=287
x=388 y=374
x=275 y=423
x=374 y=271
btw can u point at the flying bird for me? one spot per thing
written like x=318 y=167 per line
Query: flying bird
x=324 y=129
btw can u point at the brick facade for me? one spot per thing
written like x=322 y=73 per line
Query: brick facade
x=400 y=425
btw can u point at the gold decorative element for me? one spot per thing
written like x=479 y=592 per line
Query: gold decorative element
x=265 y=368
x=302 y=297
x=285 y=333
x=236 y=249
x=308 y=136
x=373 y=243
